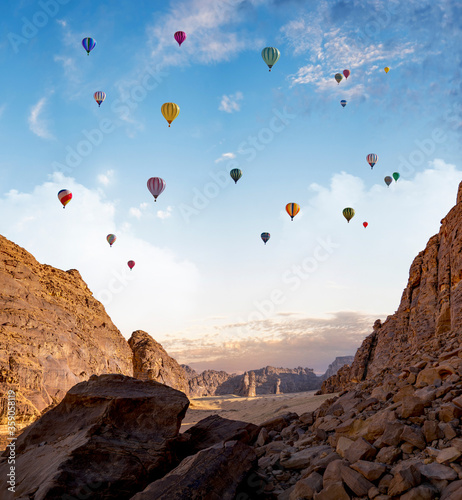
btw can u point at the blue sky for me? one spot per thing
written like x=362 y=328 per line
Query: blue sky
x=204 y=284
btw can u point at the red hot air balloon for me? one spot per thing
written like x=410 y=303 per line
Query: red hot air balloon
x=64 y=197
x=131 y=264
x=346 y=73
x=156 y=185
x=180 y=37
x=365 y=224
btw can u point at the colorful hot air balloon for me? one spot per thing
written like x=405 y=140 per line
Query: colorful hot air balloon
x=388 y=180
x=338 y=77
x=372 y=159
x=270 y=56
x=292 y=209
x=170 y=111
x=343 y=102
x=235 y=174
x=396 y=176
x=110 y=239
x=131 y=264
x=156 y=185
x=180 y=37
x=365 y=224
x=88 y=44
x=348 y=213
x=265 y=237
x=386 y=69
x=99 y=97
x=346 y=73
x=64 y=197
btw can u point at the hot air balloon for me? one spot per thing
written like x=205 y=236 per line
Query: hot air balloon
x=348 y=213
x=388 y=180
x=156 y=185
x=372 y=159
x=88 y=44
x=180 y=37
x=386 y=69
x=131 y=264
x=396 y=176
x=365 y=224
x=270 y=56
x=110 y=239
x=235 y=174
x=99 y=97
x=292 y=209
x=64 y=197
x=170 y=110
x=343 y=102
x=265 y=237
x=346 y=73
x=338 y=77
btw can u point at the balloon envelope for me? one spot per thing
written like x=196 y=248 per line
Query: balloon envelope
x=386 y=69
x=265 y=237
x=271 y=56
x=365 y=224
x=111 y=238
x=343 y=103
x=396 y=176
x=292 y=209
x=170 y=111
x=131 y=264
x=348 y=213
x=346 y=73
x=180 y=37
x=338 y=77
x=64 y=197
x=99 y=97
x=235 y=174
x=88 y=44
x=372 y=159
x=388 y=180
x=156 y=185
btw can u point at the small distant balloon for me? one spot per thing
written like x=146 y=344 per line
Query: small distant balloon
x=156 y=185
x=265 y=237
x=386 y=69
x=64 y=197
x=372 y=159
x=131 y=264
x=346 y=73
x=338 y=77
x=348 y=213
x=365 y=224
x=180 y=37
x=99 y=97
x=235 y=174
x=292 y=209
x=88 y=44
x=396 y=176
x=343 y=103
x=388 y=180
x=170 y=111
x=110 y=239
x=271 y=56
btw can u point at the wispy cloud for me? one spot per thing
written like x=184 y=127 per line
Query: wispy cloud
x=225 y=156
x=137 y=212
x=37 y=124
x=106 y=178
x=165 y=214
x=231 y=103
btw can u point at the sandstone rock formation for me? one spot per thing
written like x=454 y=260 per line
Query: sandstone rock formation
x=190 y=372
x=151 y=362
x=211 y=383
x=335 y=366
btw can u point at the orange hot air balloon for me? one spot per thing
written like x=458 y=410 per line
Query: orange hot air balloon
x=292 y=209
x=386 y=69
x=365 y=224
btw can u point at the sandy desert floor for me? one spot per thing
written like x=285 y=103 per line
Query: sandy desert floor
x=255 y=410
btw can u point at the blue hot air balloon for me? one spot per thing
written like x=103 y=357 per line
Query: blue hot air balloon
x=88 y=44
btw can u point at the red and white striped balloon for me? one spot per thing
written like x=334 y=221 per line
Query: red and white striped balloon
x=156 y=185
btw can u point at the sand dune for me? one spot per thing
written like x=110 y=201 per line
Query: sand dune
x=255 y=410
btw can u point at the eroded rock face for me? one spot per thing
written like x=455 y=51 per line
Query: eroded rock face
x=53 y=334
x=151 y=362
x=335 y=366
x=108 y=438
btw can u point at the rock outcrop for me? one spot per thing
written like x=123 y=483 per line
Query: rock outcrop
x=190 y=372
x=335 y=366
x=212 y=383
x=151 y=362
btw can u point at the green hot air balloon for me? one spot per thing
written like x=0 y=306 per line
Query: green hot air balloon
x=396 y=176
x=270 y=56
x=388 y=180
x=338 y=77
x=235 y=174
x=348 y=213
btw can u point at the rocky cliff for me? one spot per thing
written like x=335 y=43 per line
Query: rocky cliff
x=428 y=318
x=335 y=366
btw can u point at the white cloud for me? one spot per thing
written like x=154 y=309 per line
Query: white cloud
x=106 y=178
x=138 y=211
x=225 y=156
x=164 y=214
x=37 y=124
x=231 y=103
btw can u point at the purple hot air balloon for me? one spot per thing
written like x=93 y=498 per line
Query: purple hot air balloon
x=180 y=37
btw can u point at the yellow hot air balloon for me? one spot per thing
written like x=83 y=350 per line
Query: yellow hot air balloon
x=348 y=213
x=386 y=69
x=170 y=110
x=292 y=209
